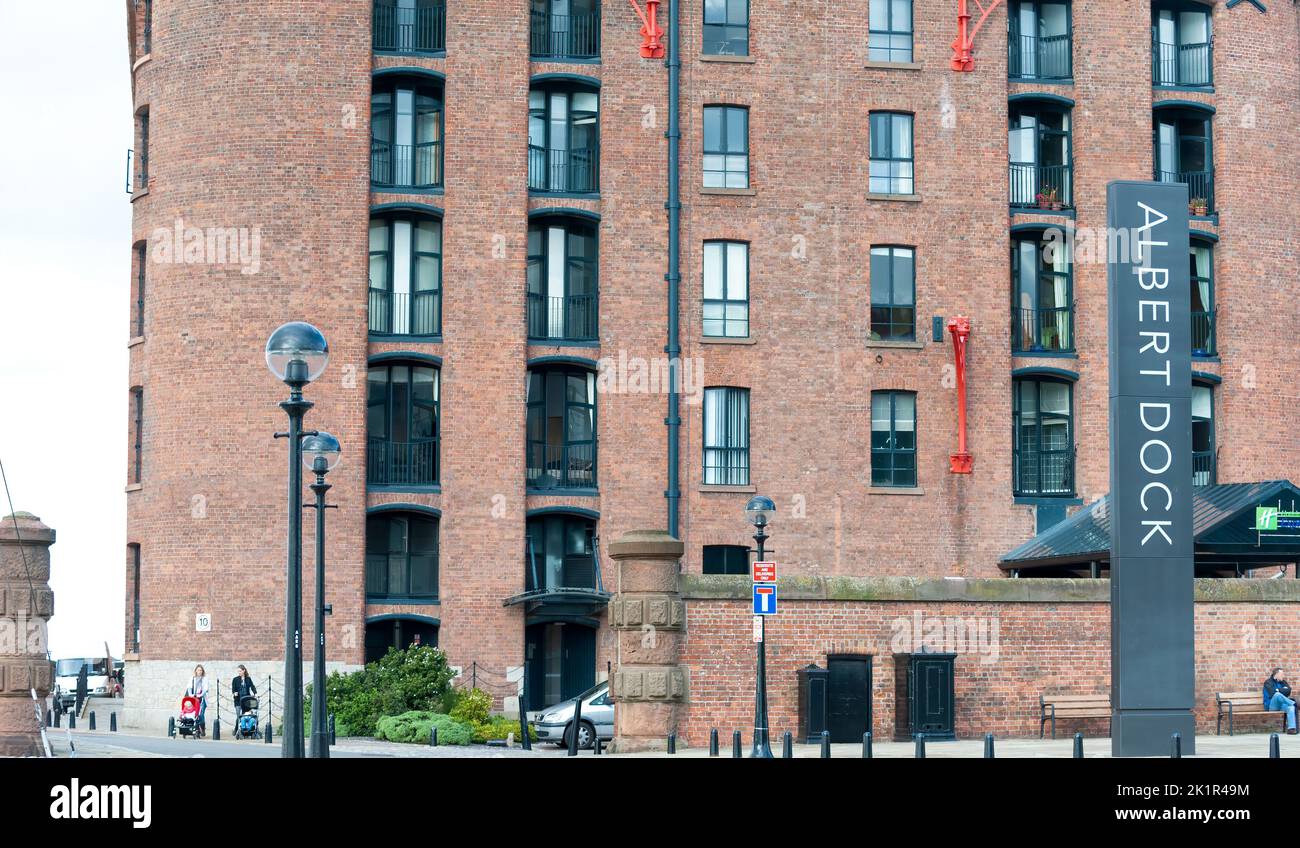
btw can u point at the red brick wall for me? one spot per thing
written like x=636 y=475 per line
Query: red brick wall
x=1059 y=648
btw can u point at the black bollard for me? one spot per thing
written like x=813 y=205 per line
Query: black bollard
x=525 y=738
x=826 y=744
x=433 y=736
x=92 y=719
x=58 y=717
x=672 y=743
x=1274 y=746
x=112 y=722
x=171 y=727
x=595 y=745
x=49 y=718
x=267 y=737
x=866 y=745
x=735 y=744
x=920 y=746
x=1078 y=746
x=787 y=745
x=334 y=739
x=576 y=727
x=72 y=721
x=988 y=746
x=1176 y=747
x=216 y=730
x=713 y=742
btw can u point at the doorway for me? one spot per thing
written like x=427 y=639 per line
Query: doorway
x=561 y=658
x=848 y=696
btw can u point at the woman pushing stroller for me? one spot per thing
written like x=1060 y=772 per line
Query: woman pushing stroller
x=199 y=690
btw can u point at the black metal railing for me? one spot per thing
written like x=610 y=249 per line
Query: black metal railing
x=146 y=43
x=577 y=572
x=416 y=577
x=405 y=314
x=566 y=170
x=401 y=463
x=1044 y=186
x=1189 y=65
x=552 y=466
x=726 y=466
x=1203 y=333
x=1042 y=330
x=571 y=318
x=1203 y=468
x=405 y=30
x=1044 y=472
x=566 y=36
x=1040 y=57
x=406 y=165
x=1200 y=186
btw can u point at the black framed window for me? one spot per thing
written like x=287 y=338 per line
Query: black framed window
x=893 y=439
x=892 y=167
x=565 y=29
x=141 y=260
x=561 y=553
x=726 y=289
x=402 y=425
x=401 y=557
x=561 y=428
x=1185 y=154
x=1202 y=276
x=726 y=436
x=134 y=553
x=1043 y=447
x=405 y=275
x=406 y=128
x=142 y=151
x=893 y=293
x=726 y=559
x=1042 y=290
x=726 y=147
x=137 y=427
x=1182 y=44
x=147 y=42
x=1204 y=471
x=410 y=26
x=890 y=31
x=726 y=27
x=563 y=287
x=1039 y=40
x=564 y=139
x=1041 y=158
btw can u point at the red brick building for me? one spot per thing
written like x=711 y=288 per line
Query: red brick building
x=468 y=200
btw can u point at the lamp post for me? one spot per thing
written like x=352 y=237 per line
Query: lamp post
x=296 y=353
x=320 y=453
x=759 y=511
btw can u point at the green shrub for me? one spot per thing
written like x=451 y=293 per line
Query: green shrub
x=472 y=706
x=415 y=726
x=416 y=679
x=499 y=727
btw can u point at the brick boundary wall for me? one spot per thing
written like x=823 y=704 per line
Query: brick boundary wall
x=1037 y=636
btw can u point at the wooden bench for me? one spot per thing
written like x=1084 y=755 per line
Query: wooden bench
x=1052 y=707
x=1242 y=704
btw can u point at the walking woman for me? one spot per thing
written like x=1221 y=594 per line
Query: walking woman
x=199 y=689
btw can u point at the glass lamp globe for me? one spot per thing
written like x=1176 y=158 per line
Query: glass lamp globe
x=760 y=510
x=297 y=352
x=321 y=445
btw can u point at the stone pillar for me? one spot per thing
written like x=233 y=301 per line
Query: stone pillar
x=26 y=604
x=649 y=616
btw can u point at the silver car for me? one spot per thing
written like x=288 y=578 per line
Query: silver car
x=597 y=719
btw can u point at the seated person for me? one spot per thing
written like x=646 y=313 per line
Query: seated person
x=1277 y=698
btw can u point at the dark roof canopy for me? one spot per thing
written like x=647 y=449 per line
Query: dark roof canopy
x=1228 y=538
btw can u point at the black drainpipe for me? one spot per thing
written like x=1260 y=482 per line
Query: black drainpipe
x=674 y=276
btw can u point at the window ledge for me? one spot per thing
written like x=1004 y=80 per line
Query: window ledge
x=141 y=62
x=134 y=487
x=135 y=341
x=724 y=340
x=414 y=489
x=896 y=345
x=1047 y=500
x=899 y=198
x=893 y=66
x=735 y=192
x=393 y=600
x=138 y=193
x=727 y=60
x=745 y=490
x=895 y=490
x=573 y=492
x=131 y=656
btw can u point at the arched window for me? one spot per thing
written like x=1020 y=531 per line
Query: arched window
x=405 y=275
x=1041 y=159
x=563 y=138
x=1185 y=154
x=1181 y=44
x=1042 y=290
x=1202 y=274
x=561 y=422
x=1043 y=450
x=1204 y=466
x=563 y=292
x=402 y=425
x=406 y=118
x=401 y=556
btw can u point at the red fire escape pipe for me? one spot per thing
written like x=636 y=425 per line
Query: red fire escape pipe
x=959 y=329
x=652 y=46
x=962 y=47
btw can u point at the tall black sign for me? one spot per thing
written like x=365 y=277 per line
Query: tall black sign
x=1152 y=664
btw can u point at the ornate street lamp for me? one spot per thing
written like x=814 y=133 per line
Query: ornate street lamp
x=759 y=511
x=320 y=453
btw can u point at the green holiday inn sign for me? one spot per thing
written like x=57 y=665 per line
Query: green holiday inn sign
x=1272 y=519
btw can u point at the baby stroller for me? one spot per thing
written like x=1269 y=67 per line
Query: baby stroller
x=188 y=723
x=246 y=724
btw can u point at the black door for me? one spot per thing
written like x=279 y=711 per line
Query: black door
x=849 y=697
x=932 y=691
x=578 y=671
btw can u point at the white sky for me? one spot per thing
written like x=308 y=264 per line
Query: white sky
x=65 y=256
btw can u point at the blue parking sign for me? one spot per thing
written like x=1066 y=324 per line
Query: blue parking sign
x=764 y=599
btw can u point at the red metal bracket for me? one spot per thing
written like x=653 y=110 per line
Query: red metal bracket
x=652 y=45
x=962 y=60
x=959 y=328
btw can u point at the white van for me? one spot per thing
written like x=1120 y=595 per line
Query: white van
x=66 y=671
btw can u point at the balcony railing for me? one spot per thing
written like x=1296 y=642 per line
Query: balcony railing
x=726 y=466
x=416 y=166
x=1029 y=180
x=571 y=318
x=576 y=572
x=1203 y=333
x=1042 y=330
x=1049 y=472
x=1203 y=468
x=405 y=30
x=566 y=36
x=402 y=578
x=1200 y=185
x=401 y=463
x=1039 y=57
x=564 y=171
x=1189 y=65
x=552 y=466
x=405 y=314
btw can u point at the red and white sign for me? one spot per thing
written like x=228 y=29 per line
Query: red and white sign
x=758 y=628
x=764 y=572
